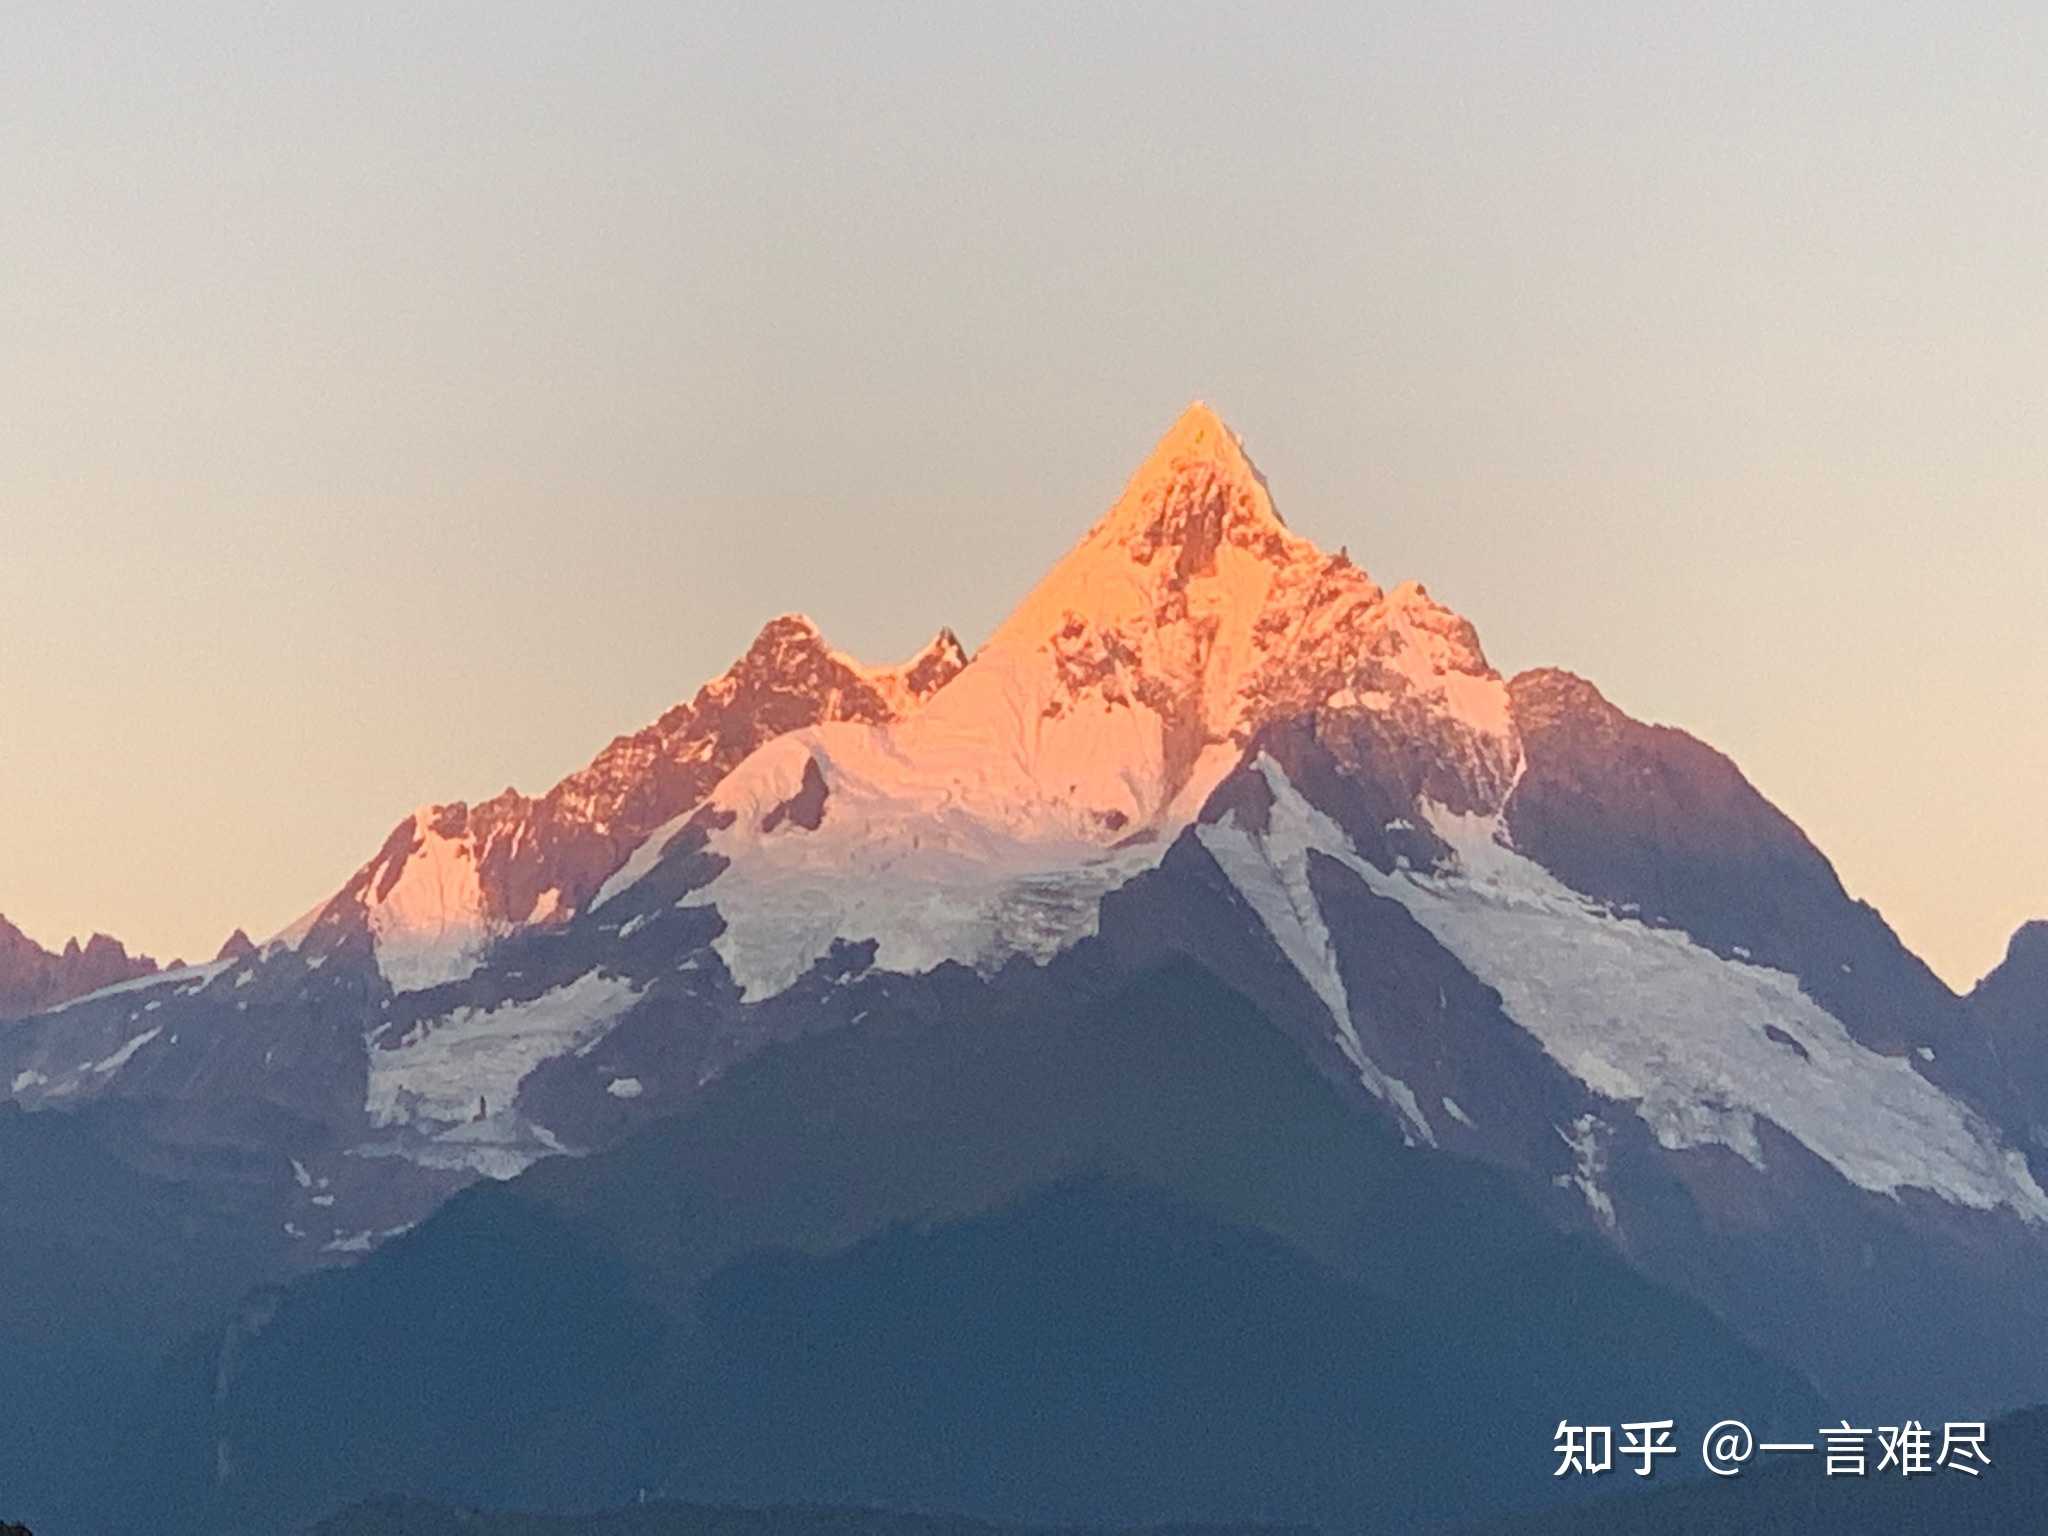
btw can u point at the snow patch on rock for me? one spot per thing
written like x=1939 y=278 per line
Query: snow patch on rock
x=1589 y=1167
x=126 y=1053
x=196 y=975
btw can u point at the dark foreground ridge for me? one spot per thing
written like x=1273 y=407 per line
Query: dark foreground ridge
x=1796 y=1498
x=414 y=1517
x=1039 y=1264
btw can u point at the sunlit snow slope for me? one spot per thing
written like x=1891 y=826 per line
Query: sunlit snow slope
x=1085 y=734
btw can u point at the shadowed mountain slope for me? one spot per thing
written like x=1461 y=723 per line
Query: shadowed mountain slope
x=1121 y=1261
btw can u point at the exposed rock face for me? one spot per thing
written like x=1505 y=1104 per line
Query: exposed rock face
x=363 y=1029
x=237 y=946
x=452 y=878
x=1705 y=1113
x=2020 y=983
x=2010 y=1006
x=1091 y=727
x=1190 y=616
x=1650 y=820
x=33 y=978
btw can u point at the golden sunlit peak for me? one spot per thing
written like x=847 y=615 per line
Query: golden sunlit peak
x=1199 y=436
x=1199 y=430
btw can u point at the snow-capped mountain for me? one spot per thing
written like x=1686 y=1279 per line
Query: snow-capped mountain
x=290 y=1025
x=1104 y=714
x=452 y=878
x=1087 y=734
x=1499 y=915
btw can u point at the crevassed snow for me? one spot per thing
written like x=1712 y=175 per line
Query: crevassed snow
x=443 y=1068
x=1271 y=872
x=935 y=853
x=1648 y=1017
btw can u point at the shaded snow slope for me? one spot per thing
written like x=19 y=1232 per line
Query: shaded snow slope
x=1700 y=1047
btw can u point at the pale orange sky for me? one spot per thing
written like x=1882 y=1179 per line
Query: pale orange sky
x=398 y=404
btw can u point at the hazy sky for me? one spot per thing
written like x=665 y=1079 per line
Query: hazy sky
x=397 y=401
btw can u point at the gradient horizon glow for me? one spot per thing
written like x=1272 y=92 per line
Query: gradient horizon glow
x=401 y=401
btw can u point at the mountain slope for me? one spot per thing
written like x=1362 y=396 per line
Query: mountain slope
x=290 y=1025
x=413 y=1517
x=2010 y=1007
x=1708 y=1116
x=1796 y=1498
x=451 y=878
x=103 y=1266
x=1648 y=820
x=1087 y=733
x=1125 y=1254
x=1745 y=1076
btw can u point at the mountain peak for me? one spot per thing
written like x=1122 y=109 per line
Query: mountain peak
x=783 y=635
x=1197 y=488
x=2024 y=971
x=1195 y=528
x=1199 y=426
x=941 y=660
x=1188 y=615
x=32 y=977
x=453 y=877
x=2029 y=944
